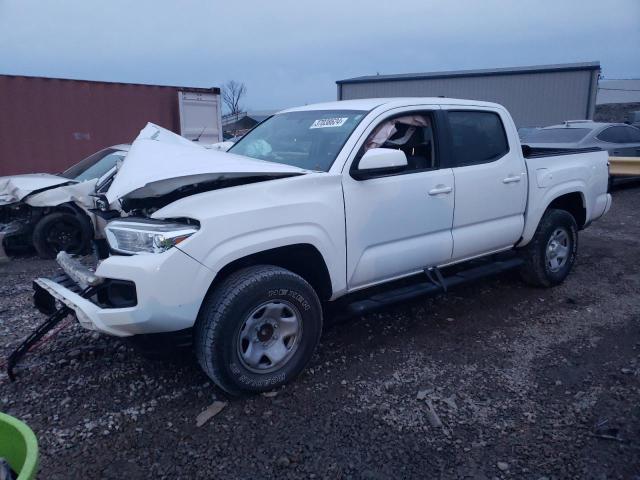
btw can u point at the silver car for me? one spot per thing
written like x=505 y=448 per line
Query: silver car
x=618 y=138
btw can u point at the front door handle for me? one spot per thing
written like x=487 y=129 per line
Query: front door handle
x=440 y=189
x=513 y=179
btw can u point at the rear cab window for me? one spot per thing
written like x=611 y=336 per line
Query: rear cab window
x=477 y=136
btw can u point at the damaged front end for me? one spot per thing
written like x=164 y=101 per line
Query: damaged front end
x=17 y=221
x=78 y=278
x=162 y=168
x=81 y=286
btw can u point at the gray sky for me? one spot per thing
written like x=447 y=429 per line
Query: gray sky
x=292 y=52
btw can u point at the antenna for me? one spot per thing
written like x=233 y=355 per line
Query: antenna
x=197 y=139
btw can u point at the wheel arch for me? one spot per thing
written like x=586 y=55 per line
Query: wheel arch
x=302 y=259
x=571 y=199
x=574 y=203
x=70 y=208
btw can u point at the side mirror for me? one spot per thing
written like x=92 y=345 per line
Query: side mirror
x=380 y=161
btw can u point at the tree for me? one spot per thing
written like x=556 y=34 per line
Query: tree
x=232 y=94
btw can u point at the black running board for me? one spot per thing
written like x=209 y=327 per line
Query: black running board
x=431 y=288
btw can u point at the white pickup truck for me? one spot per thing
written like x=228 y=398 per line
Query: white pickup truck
x=321 y=203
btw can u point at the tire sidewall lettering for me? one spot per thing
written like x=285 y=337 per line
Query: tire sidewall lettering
x=286 y=292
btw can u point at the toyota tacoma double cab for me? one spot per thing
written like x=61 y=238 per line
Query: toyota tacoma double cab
x=361 y=202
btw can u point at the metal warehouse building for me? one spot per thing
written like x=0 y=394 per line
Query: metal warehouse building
x=536 y=96
x=48 y=124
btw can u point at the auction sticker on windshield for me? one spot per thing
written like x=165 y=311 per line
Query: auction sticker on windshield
x=329 y=122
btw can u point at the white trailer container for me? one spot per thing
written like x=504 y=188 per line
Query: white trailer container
x=200 y=116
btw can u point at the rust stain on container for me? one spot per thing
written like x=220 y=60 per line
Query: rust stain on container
x=48 y=124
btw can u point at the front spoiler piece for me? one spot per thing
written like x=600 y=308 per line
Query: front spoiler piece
x=35 y=337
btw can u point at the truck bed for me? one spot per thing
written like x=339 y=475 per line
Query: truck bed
x=538 y=152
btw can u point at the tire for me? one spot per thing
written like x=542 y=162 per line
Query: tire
x=238 y=336
x=60 y=231
x=551 y=253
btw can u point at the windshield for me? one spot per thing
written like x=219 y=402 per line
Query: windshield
x=308 y=139
x=556 y=135
x=94 y=166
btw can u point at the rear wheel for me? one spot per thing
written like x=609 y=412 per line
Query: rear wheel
x=258 y=329
x=551 y=253
x=60 y=231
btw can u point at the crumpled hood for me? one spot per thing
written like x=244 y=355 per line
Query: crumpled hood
x=80 y=193
x=160 y=161
x=14 y=188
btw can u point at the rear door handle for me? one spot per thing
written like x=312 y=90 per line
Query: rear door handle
x=513 y=179
x=440 y=189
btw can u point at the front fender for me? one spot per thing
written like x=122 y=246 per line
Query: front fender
x=256 y=241
x=243 y=220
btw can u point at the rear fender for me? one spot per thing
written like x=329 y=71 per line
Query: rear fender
x=540 y=200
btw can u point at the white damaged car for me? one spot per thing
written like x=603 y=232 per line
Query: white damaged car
x=356 y=203
x=52 y=212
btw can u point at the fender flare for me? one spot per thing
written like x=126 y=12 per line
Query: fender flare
x=534 y=216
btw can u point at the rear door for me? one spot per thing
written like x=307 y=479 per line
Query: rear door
x=490 y=180
x=399 y=224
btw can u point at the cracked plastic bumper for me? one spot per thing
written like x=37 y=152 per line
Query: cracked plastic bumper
x=170 y=289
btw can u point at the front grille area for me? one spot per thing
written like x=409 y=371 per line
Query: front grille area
x=44 y=301
x=110 y=294
x=13 y=212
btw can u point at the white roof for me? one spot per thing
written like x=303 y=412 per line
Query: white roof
x=371 y=103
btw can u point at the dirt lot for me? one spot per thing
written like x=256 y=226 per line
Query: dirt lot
x=495 y=380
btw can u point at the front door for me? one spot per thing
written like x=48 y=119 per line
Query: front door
x=400 y=223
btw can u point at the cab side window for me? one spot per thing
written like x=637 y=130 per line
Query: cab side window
x=411 y=133
x=476 y=137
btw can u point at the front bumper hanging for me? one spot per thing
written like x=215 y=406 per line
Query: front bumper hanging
x=54 y=319
x=77 y=278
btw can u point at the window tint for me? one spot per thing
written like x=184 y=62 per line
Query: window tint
x=477 y=137
x=634 y=134
x=615 y=135
x=410 y=132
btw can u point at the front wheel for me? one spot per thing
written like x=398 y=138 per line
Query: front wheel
x=551 y=253
x=258 y=329
x=60 y=231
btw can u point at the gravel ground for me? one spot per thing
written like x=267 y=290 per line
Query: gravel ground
x=494 y=380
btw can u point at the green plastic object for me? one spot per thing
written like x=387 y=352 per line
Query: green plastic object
x=19 y=446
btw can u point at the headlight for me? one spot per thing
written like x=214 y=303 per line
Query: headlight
x=134 y=236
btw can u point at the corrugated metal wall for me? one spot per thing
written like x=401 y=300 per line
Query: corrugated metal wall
x=534 y=99
x=47 y=125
